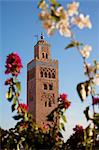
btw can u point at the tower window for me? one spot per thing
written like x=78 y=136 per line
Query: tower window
x=41 y=73
x=50 y=87
x=45 y=103
x=45 y=86
x=46 y=56
x=45 y=74
x=49 y=103
x=53 y=75
x=42 y=55
x=49 y=75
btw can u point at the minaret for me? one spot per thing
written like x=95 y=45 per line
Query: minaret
x=42 y=82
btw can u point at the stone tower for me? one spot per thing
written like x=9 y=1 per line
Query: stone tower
x=42 y=82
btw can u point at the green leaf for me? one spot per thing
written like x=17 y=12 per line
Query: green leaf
x=62 y=126
x=13 y=107
x=83 y=90
x=64 y=118
x=40 y=3
x=53 y=1
x=15 y=100
x=18 y=85
x=73 y=44
x=9 y=94
x=96 y=119
x=55 y=4
x=17 y=117
x=86 y=112
x=50 y=117
x=60 y=134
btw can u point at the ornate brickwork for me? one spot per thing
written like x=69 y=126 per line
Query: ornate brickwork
x=42 y=82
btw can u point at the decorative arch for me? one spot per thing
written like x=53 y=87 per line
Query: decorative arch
x=41 y=73
x=49 y=74
x=42 y=55
x=45 y=74
x=46 y=55
x=53 y=75
x=50 y=87
x=45 y=86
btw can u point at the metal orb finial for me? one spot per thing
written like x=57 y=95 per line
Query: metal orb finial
x=42 y=36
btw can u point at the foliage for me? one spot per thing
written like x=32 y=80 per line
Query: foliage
x=26 y=134
x=55 y=17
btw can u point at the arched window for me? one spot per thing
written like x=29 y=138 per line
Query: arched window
x=49 y=75
x=46 y=56
x=50 y=87
x=42 y=55
x=45 y=74
x=49 y=103
x=45 y=86
x=53 y=75
x=41 y=73
x=45 y=103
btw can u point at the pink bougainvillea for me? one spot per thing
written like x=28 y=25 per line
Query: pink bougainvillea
x=78 y=129
x=95 y=100
x=9 y=81
x=64 y=100
x=13 y=64
x=23 y=107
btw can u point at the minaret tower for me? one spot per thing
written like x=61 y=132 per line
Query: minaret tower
x=42 y=82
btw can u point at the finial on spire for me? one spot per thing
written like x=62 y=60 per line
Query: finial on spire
x=42 y=36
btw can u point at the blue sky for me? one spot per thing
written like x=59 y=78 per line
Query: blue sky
x=18 y=24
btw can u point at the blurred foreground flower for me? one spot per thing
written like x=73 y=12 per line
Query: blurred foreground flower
x=96 y=79
x=82 y=21
x=9 y=81
x=78 y=129
x=22 y=107
x=63 y=28
x=64 y=100
x=73 y=8
x=45 y=127
x=13 y=64
x=85 y=52
x=95 y=100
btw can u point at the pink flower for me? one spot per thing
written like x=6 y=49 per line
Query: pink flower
x=78 y=129
x=64 y=100
x=57 y=138
x=63 y=96
x=13 y=64
x=8 y=81
x=95 y=100
x=45 y=127
x=23 y=107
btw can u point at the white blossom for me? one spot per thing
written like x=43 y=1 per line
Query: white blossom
x=49 y=26
x=43 y=5
x=51 y=30
x=44 y=15
x=96 y=79
x=62 y=13
x=83 y=92
x=73 y=8
x=97 y=66
x=89 y=69
x=85 y=52
x=63 y=27
x=82 y=21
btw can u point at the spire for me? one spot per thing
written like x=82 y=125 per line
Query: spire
x=42 y=36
